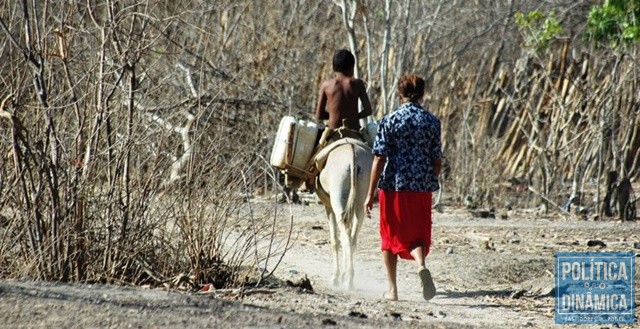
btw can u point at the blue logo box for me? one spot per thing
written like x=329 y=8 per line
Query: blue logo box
x=595 y=287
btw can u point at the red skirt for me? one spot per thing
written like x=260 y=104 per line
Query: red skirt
x=405 y=221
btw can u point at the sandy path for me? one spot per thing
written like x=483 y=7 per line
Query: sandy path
x=477 y=265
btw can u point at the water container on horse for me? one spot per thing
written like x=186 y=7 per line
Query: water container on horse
x=370 y=131
x=294 y=145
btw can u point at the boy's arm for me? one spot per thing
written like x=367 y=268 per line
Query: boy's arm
x=321 y=113
x=366 y=104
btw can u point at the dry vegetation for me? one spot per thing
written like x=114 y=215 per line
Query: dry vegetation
x=132 y=132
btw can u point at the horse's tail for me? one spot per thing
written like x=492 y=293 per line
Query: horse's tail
x=350 y=207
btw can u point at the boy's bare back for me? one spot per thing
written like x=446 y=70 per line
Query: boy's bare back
x=338 y=101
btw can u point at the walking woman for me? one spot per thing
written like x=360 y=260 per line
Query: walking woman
x=407 y=161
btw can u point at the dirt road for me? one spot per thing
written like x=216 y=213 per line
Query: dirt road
x=489 y=272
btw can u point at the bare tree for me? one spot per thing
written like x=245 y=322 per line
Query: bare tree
x=133 y=133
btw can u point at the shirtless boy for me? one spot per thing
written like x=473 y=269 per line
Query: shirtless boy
x=339 y=96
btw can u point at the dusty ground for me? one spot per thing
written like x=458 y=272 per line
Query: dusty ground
x=489 y=272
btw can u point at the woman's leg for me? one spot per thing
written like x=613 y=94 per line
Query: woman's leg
x=391 y=263
x=419 y=256
x=428 y=288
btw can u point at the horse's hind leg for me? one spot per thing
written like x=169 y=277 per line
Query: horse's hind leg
x=347 y=257
x=335 y=245
x=355 y=227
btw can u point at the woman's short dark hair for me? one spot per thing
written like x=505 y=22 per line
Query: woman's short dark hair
x=411 y=87
x=343 y=61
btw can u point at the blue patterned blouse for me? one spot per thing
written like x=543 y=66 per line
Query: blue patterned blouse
x=409 y=138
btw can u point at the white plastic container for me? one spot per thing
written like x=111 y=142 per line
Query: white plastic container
x=284 y=138
x=294 y=144
x=371 y=129
x=305 y=144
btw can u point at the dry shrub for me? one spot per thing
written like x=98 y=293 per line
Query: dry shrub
x=132 y=133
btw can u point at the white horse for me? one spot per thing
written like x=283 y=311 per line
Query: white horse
x=343 y=185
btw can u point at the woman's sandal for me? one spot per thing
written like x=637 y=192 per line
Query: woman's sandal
x=428 y=288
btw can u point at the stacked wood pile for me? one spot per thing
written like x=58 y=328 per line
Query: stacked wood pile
x=564 y=120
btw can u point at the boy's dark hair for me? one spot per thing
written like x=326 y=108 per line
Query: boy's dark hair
x=343 y=61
